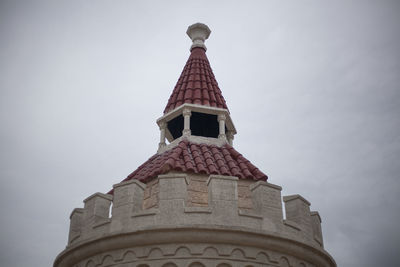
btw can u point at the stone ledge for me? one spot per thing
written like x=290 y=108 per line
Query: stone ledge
x=148 y=212
x=315 y=213
x=318 y=240
x=105 y=196
x=198 y=210
x=173 y=176
x=250 y=214
x=106 y=221
x=221 y=177
x=76 y=237
x=133 y=181
x=197 y=234
x=263 y=183
x=76 y=210
x=293 y=197
x=292 y=224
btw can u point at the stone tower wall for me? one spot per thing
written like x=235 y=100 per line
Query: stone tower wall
x=181 y=219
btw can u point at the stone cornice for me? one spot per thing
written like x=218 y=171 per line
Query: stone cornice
x=198 y=234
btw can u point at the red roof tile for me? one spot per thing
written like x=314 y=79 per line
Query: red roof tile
x=198 y=158
x=197 y=84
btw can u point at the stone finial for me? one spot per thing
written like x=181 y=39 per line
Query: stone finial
x=198 y=32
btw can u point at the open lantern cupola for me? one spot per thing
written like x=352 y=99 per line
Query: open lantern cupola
x=196 y=109
x=197 y=124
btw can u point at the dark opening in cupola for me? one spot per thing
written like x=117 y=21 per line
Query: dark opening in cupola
x=175 y=127
x=204 y=125
x=201 y=124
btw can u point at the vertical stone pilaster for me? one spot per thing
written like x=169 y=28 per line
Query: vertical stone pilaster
x=223 y=198
x=267 y=201
x=222 y=188
x=221 y=121
x=316 y=227
x=96 y=208
x=95 y=212
x=172 y=186
x=172 y=197
x=128 y=198
x=298 y=211
x=162 y=127
x=97 y=205
x=186 y=122
x=230 y=137
x=76 y=224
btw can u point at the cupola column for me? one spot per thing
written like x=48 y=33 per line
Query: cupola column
x=186 y=122
x=162 y=143
x=230 y=138
x=221 y=120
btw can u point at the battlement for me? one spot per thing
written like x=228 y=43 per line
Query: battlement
x=179 y=200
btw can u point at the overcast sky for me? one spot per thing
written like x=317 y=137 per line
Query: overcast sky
x=313 y=88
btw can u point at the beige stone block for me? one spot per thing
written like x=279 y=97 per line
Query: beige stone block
x=245 y=203
x=129 y=192
x=155 y=188
x=172 y=186
x=267 y=200
x=222 y=188
x=198 y=177
x=193 y=204
x=152 y=182
x=198 y=186
x=244 y=191
x=197 y=197
x=147 y=192
x=150 y=202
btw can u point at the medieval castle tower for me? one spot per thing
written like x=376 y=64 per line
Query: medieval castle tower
x=197 y=201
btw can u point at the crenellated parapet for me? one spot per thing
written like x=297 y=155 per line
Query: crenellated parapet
x=192 y=207
x=181 y=199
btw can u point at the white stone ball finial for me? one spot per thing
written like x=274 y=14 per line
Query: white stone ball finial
x=198 y=32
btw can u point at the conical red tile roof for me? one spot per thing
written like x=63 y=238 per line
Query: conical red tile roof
x=197 y=84
x=200 y=159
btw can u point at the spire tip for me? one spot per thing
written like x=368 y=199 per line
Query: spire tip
x=198 y=32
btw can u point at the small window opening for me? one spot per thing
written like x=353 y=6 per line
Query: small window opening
x=201 y=124
x=204 y=125
x=175 y=127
